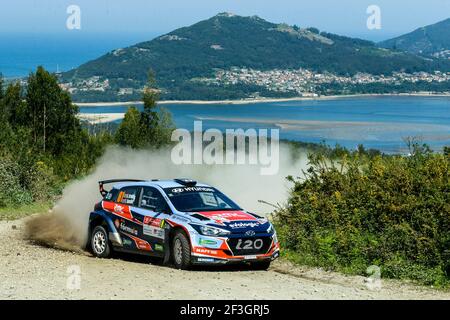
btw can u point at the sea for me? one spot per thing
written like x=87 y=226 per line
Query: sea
x=382 y=123
x=21 y=53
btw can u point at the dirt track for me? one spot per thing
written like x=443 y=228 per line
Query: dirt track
x=28 y=271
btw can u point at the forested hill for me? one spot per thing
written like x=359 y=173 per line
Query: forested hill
x=181 y=57
x=431 y=40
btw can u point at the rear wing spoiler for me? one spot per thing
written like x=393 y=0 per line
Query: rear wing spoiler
x=101 y=184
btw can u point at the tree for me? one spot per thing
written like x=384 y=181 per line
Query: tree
x=2 y=81
x=129 y=132
x=14 y=108
x=51 y=114
x=157 y=123
x=163 y=131
x=150 y=128
x=13 y=139
x=149 y=117
x=2 y=105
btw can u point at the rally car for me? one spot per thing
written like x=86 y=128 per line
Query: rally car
x=180 y=221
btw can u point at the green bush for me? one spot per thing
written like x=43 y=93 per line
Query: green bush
x=42 y=183
x=362 y=210
x=11 y=191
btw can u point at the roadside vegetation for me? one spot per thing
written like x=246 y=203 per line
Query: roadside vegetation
x=363 y=209
x=43 y=144
x=351 y=211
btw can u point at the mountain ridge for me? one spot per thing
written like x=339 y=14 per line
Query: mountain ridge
x=184 y=58
x=430 y=40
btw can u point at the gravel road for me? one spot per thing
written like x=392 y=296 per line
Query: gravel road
x=29 y=271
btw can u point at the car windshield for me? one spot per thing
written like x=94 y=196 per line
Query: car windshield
x=193 y=199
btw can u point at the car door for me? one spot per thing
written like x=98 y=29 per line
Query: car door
x=128 y=221
x=153 y=210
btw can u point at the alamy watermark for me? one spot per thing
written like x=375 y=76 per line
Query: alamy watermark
x=235 y=147
x=73 y=21
x=374 y=19
x=373 y=281
x=74 y=277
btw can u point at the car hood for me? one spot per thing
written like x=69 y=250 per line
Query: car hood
x=236 y=221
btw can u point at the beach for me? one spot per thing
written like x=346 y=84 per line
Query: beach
x=264 y=100
x=99 y=118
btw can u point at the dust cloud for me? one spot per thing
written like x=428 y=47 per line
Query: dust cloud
x=66 y=227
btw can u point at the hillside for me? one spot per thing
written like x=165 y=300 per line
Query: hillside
x=184 y=59
x=431 y=40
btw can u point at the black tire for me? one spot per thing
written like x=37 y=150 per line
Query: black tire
x=261 y=265
x=167 y=259
x=100 y=243
x=181 y=251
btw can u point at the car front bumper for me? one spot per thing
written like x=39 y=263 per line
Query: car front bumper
x=201 y=260
x=217 y=250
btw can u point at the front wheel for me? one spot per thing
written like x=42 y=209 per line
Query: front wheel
x=181 y=251
x=261 y=265
x=100 y=243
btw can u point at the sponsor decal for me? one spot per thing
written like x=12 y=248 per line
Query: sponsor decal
x=206 y=251
x=209 y=199
x=153 y=232
x=128 y=229
x=143 y=245
x=128 y=198
x=250 y=257
x=151 y=221
x=192 y=189
x=140 y=244
x=180 y=218
x=227 y=216
x=118 y=208
x=207 y=242
x=127 y=242
x=159 y=247
x=152 y=227
x=238 y=225
x=205 y=259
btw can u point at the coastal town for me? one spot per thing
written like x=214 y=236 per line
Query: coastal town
x=301 y=81
x=304 y=81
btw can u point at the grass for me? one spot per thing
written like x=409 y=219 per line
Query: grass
x=410 y=273
x=14 y=213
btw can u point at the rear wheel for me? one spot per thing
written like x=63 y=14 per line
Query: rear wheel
x=181 y=251
x=100 y=243
x=261 y=265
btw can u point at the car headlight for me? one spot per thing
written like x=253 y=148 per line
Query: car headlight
x=210 y=231
x=275 y=238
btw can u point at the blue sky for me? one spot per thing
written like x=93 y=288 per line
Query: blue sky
x=346 y=17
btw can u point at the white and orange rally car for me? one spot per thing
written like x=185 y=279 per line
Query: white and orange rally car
x=181 y=221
